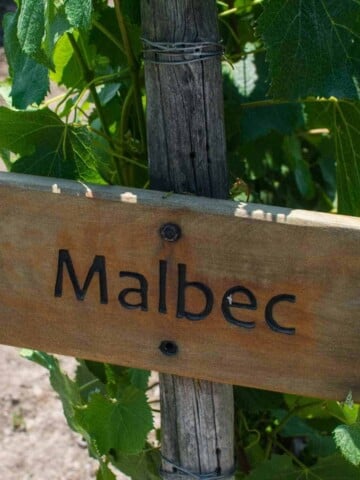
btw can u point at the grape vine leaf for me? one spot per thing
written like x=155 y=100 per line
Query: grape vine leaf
x=304 y=181
x=253 y=400
x=342 y=118
x=20 y=132
x=334 y=467
x=79 y=13
x=142 y=466
x=56 y=24
x=67 y=70
x=347 y=438
x=139 y=378
x=346 y=132
x=312 y=47
x=66 y=389
x=280 y=467
x=245 y=85
x=49 y=147
x=121 y=424
x=104 y=473
x=87 y=382
x=30 y=27
x=30 y=82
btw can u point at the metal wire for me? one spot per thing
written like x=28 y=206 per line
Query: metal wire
x=167 y=53
x=197 y=476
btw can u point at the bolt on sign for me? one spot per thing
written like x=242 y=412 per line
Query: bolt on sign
x=236 y=293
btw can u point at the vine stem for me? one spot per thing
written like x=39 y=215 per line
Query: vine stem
x=89 y=78
x=134 y=69
x=108 y=34
x=269 y=103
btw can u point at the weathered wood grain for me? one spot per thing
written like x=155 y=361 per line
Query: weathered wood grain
x=186 y=145
x=270 y=251
x=186 y=139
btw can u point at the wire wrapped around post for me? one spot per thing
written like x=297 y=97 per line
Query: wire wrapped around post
x=180 y=53
x=180 y=473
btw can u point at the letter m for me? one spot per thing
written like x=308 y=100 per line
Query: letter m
x=98 y=266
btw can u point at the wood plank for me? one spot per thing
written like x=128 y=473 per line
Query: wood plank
x=311 y=257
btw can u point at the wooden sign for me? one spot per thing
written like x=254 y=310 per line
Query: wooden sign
x=235 y=293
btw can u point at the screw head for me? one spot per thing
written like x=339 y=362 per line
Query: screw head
x=170 y=232
x=168 y=348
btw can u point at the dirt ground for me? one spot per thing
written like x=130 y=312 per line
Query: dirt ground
x=35 y=441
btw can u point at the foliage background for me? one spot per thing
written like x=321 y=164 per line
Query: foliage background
x=291 y=90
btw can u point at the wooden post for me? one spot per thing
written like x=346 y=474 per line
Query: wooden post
x=186 y=145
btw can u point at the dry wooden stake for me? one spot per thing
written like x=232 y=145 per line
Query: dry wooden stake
x=186 y=145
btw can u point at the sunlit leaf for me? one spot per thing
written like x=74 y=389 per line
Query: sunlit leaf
x=79 y=12
x=347 y=438
x=121 y=424
x=30 y=79
x=31 y=27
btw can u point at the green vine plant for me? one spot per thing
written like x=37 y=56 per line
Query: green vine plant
x=292 y=111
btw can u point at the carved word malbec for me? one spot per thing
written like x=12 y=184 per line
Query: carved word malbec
x=227 y=304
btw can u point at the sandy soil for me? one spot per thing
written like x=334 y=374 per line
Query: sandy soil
x=35 y=441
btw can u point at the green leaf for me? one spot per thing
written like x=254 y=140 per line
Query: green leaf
x=61 y=383
x=342 y=118
x=321 y=445
x=312 y=47
x=97 y=369
x=56 y=24
x=142 y=466
x=108 y=42
x=280 y=467
x=91 y=160
x=79 y=13
x=30 y=79
x=131 y=9
x=31 y=25
x=301 y=169
x=139 y=378
x=121 y=424
x=347 y=438
x=50 y=147
x=318 y=443
x=67 y=70
x=346 y=132
x=104 y=473
x=254 y=400
x=21 y=132
x=343 y=412
x=334 y=467
x=87 y=382
x=244 y=87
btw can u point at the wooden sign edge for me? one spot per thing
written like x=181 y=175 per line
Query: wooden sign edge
x=153 y=198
